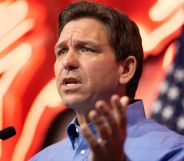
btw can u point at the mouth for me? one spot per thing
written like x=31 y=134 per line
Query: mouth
x=69 y=82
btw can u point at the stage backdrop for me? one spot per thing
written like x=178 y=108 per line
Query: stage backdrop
x=28 y=31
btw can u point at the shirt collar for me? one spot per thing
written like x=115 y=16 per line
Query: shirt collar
x=135 y=113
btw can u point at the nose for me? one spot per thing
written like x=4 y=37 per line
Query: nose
x=70 y=61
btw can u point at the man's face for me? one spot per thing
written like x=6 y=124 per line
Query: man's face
x=86 y=69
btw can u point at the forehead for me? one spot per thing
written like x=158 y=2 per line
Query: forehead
x=84 y=28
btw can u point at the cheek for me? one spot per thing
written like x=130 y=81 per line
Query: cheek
x=57 y=68
x=57 y=72
x=102 y=73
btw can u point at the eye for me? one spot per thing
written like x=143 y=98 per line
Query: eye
x=62 y=51
x=87 y=50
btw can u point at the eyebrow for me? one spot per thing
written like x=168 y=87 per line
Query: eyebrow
x=87 y=42
x=91 y=43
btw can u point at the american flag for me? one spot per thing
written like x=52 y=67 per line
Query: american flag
x=169 y=106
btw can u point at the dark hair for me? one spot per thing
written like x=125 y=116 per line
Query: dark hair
x=124 y=36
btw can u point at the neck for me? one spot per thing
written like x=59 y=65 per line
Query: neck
x=82 y=119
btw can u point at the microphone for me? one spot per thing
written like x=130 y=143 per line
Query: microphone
x=7 y=133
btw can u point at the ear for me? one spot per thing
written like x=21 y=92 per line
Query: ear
x=127 y=69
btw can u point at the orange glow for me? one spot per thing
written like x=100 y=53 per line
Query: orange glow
x=26 y=63
x=152 y=39
x=10 y=68
x=161 y=10
x=12 y=29
x=47 y=97
x=4 y=4
x=169 y=56
x=15 y=34
x=19 y=10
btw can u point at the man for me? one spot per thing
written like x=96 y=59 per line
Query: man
x=99 y=60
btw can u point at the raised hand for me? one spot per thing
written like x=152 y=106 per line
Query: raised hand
x=110 y=121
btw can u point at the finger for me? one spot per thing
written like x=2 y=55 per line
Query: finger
x=92 y=142
x=110 y=117
x=124 y=103
x=120 y=105
x=101 y=124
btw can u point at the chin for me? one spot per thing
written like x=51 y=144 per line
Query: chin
x=78 y=104
x=72 y=101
